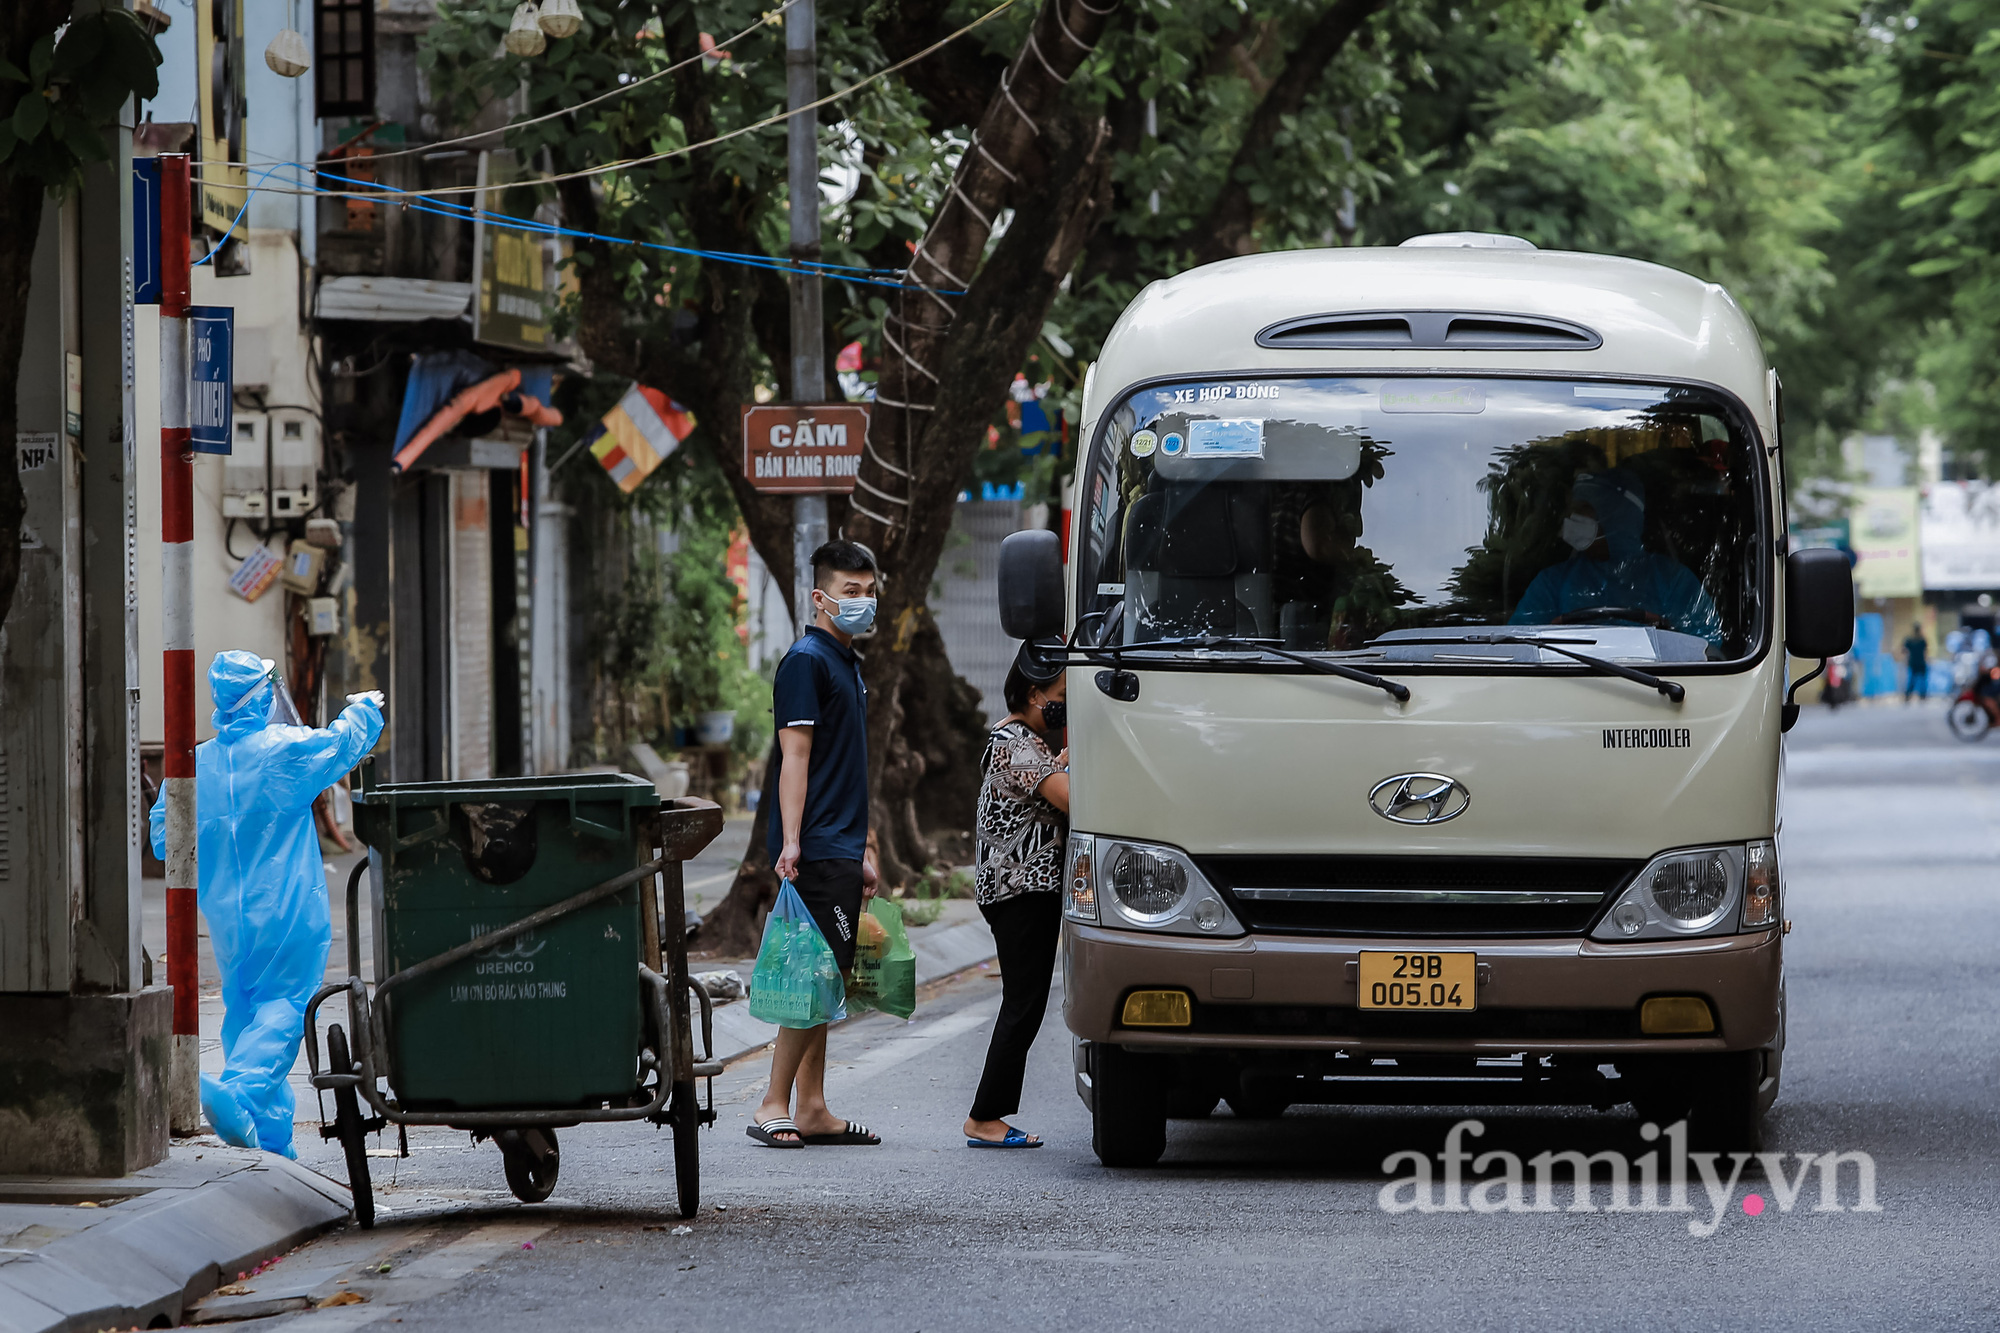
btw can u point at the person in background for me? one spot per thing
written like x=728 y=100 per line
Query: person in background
x=819 y=823
x=262 y=886
x=1022 y=828
x=1916 y=650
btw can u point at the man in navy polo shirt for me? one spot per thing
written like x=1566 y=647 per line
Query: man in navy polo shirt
x=819 y=835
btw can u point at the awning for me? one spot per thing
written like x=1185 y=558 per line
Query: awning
x=392 y=300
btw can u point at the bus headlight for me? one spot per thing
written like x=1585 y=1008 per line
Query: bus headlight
x=1692 y=891
x=1142 y=885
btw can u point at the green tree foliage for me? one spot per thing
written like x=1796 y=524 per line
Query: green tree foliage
x=1938 y=94
x=73 y=85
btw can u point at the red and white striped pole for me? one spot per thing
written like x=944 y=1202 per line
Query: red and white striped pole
x=177 y=642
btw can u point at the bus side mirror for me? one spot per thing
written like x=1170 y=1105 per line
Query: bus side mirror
x=1819 y=603
x=1819 y=614
x=1031 y=585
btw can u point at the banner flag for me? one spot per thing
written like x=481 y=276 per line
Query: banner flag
x=638 y=435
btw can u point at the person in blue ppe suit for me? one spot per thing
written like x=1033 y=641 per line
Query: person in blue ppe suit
x=262 y=883
x=1612 y=569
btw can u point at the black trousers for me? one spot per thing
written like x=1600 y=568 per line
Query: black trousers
x=1025 y=930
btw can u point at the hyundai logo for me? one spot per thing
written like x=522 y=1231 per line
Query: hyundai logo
x=1419 y=798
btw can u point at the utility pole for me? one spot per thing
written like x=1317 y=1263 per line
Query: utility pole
x=177 y=643
x=808 y=329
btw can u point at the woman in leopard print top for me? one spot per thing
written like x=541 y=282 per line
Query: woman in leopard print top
x=1021 y=828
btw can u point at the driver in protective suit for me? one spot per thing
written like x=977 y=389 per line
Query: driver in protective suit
x=1611 y=568
x=263 y=884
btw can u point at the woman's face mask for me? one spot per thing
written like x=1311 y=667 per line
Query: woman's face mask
x=1580 y=531
x=850 y=615
x=1055 y=714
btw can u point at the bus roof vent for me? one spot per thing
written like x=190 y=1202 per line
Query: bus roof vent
x=1468 y=240
x=1430 y=330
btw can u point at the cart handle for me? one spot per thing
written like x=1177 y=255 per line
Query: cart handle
x=554 y=912
x=707 y=1019
x=354 y=916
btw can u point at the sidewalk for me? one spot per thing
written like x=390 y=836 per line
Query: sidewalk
x=81 y=1255
x=77 y=1256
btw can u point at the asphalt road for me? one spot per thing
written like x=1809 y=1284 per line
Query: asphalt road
x=1891 y=843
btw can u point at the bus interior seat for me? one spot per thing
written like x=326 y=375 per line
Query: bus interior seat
x=1198 y=561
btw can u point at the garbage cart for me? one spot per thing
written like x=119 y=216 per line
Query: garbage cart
x=530 y=965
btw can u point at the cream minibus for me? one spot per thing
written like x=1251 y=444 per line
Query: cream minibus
x=1425 y=612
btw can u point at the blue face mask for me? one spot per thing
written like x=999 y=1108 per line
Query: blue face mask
x=855 y=614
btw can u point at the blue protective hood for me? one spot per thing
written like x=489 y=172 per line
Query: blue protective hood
x=240 y=684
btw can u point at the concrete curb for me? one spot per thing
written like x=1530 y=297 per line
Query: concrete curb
x=200 y=1220
x=941 y=951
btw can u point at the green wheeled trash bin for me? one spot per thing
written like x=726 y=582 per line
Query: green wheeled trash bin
x=523 y=982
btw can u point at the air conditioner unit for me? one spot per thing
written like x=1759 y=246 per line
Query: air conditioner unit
x=273 y=472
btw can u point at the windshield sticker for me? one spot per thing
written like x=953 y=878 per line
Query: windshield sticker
x=1467 y=398
x=1143 y=443
x=1223 y=393
x=1648 y=738
x=1172 y=445
x=1226 y=438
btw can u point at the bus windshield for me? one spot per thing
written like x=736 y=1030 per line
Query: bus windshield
x=1427 y=519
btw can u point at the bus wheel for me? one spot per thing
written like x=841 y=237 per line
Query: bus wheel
x=1128 y=1122
x=1728 y=1115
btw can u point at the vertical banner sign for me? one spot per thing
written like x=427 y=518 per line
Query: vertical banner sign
x=145 y=231
x=221 y=94
x=1884 y=526
x=211 y=358
x=804 y=448
x=516 y=297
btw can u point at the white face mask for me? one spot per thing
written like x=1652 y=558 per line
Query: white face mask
x=1580 y=531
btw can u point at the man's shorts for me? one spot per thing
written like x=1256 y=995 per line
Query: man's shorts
x=832 y=893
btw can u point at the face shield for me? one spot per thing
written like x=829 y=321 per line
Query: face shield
x=280 y=712
x=284 y=713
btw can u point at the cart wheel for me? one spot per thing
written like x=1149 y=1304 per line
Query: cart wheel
x=532 y=1160
x=347 y=1128
x=685 y=1117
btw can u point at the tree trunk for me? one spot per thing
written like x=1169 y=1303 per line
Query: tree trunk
x=995 y=323
x=24 y=23
x=950 y=349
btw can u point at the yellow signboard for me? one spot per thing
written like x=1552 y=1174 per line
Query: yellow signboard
x=220 y=76
x=1883 y=528
x=516 y=298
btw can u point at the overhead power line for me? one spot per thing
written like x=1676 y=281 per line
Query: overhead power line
x=626 y=164
x=767 y=19
x=854 y=273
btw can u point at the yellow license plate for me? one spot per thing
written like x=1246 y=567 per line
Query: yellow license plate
x=1419 y=981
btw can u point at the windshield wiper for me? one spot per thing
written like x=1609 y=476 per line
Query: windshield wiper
x=1116 y=653
x=1671 y=688
x=1400 y=691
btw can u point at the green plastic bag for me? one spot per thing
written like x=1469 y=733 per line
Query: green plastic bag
x=796 y=983
x=885 y=967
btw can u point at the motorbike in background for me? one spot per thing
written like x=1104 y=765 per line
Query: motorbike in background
x=1977 y=708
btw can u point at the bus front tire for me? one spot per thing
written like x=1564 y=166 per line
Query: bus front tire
x=1128 y=1121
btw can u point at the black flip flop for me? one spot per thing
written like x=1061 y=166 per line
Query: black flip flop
x=767 y=1133
x=854 y=1136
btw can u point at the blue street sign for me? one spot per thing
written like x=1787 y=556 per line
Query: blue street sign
x=211 y=361
x=145 y=231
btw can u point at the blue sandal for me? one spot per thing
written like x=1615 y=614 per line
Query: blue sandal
x=1016 y=1138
